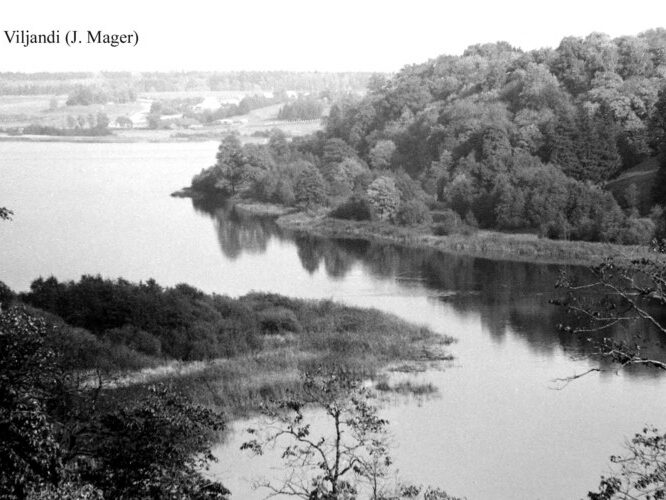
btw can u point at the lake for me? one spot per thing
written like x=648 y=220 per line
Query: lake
x=498 y=427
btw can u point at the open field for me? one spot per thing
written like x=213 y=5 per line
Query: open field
x=20 y=111
x=46 y=110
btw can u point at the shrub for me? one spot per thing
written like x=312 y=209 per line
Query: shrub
x=356 y=207
x=413 y=213
x=278 y=319
x=448 y=222
x=136 y=339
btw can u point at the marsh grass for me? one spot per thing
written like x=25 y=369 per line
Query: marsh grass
x=360 y=342
x=230 y=353
x=318 y=335
x=491 y=244
x=406 y=387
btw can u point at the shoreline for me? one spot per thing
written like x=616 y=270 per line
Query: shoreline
x=482 y=244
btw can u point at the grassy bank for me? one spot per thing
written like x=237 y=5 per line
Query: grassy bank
x=362 y=342
x=488 y=244
x=230 y=353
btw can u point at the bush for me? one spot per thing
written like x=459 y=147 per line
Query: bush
x=413 y=213
x=356 y=207
x=277 y=320
x=448 y=222
x=136 y=339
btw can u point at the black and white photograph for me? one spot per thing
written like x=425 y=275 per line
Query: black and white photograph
x=352 y=250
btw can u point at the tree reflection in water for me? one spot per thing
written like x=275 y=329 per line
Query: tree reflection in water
x=508 y=296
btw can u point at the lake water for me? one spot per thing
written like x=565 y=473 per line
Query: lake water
x=498 y=427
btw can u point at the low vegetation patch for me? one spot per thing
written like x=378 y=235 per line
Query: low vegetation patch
x=231 y=353
x=406 y=387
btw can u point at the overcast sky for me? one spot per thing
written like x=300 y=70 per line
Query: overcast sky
x=343 y=35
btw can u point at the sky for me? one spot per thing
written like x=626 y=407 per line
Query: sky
x=300 y=35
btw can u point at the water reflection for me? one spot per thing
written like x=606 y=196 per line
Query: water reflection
x=508 y=297
x=237 y=231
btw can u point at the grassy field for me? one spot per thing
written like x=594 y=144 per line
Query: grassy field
x=21 y=111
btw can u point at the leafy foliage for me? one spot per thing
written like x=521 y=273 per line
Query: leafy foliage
x=384 y=197
x=639 y=474
x=29 y=451
x=310 y=188
x=67 y=437
x=154 y=447
x=413 y=213
x=631 y=294
x=180 y=322
x=355 y=208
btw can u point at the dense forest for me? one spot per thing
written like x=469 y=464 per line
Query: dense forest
x=497 y=137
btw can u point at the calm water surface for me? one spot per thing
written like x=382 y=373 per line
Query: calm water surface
x=497 y=429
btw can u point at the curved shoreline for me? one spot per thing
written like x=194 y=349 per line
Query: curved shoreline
x=483 y=244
